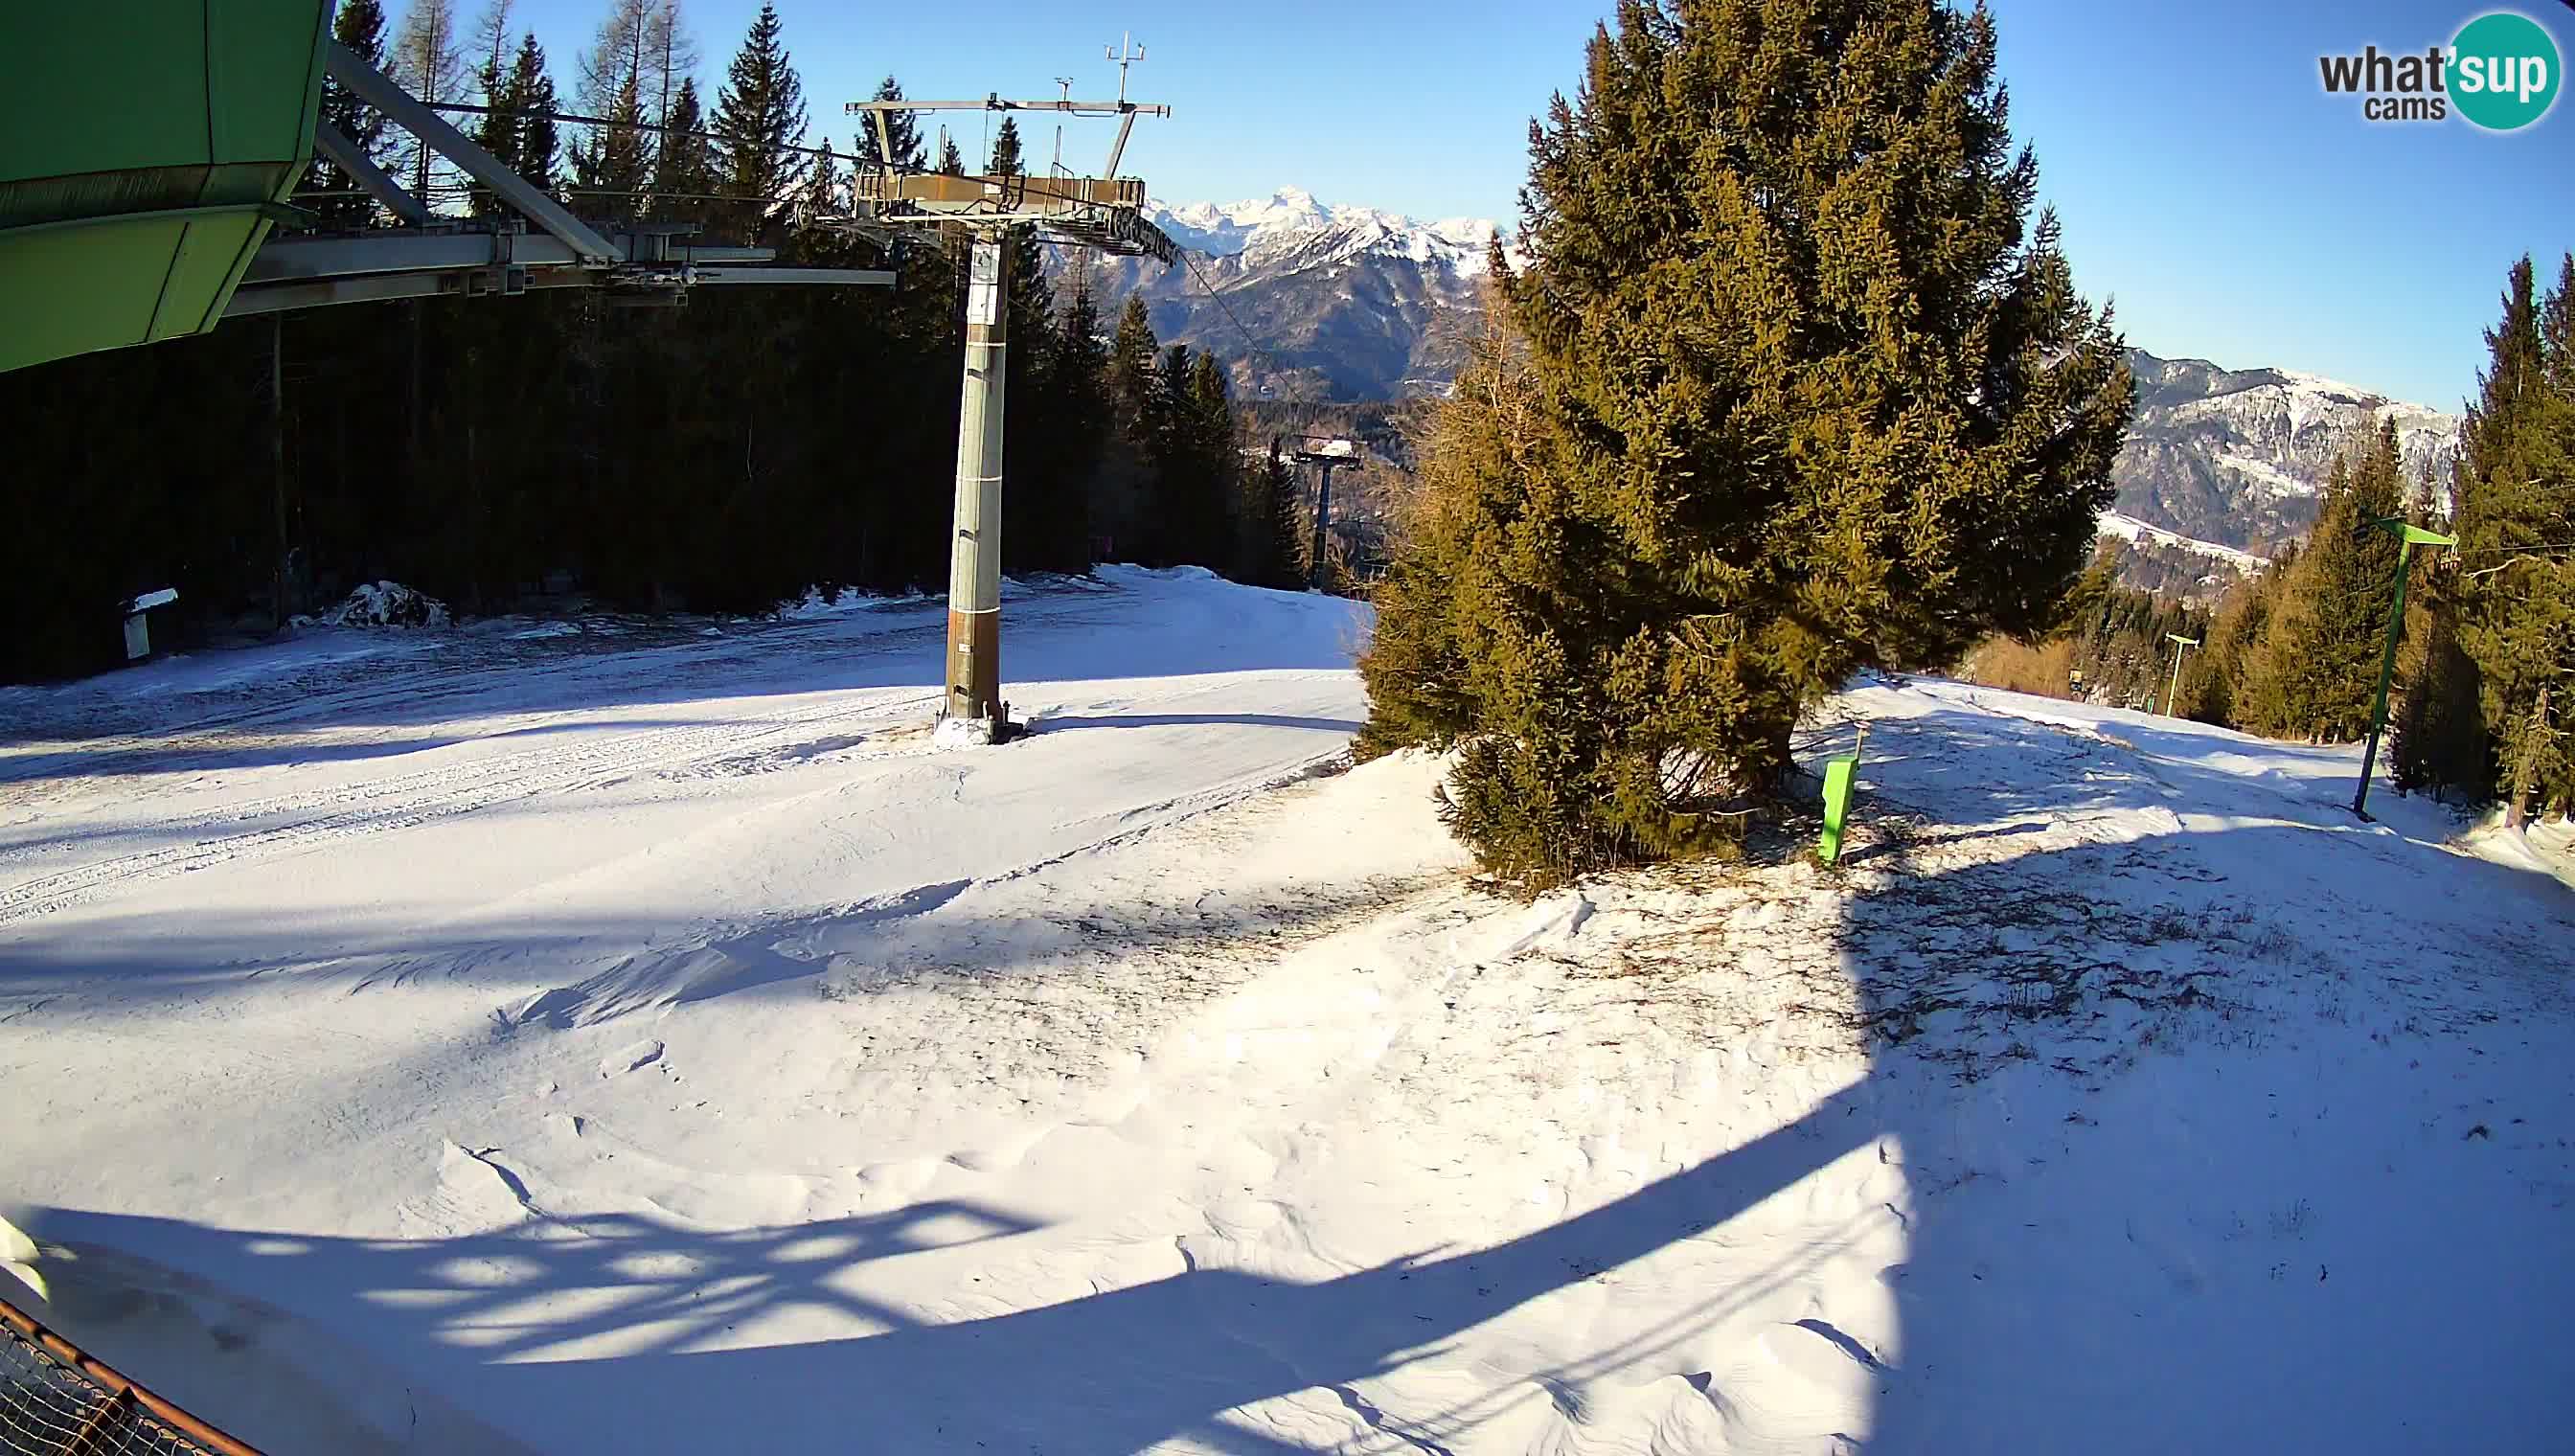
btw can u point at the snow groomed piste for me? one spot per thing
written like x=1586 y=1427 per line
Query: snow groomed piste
x=527 y=1028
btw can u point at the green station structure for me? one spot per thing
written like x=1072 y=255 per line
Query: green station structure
x=147 y=149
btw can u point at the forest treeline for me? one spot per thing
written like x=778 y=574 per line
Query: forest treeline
x=2478 y=711
x=720 y=455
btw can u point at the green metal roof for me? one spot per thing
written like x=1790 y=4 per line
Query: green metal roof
x=145 y=145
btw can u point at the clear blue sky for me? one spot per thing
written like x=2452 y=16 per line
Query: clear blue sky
x=2233 y=211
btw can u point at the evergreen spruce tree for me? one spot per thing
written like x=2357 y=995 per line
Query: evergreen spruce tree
x=1006 y=151
x=2316 y=674
x=1272 y=523
x=1813 y=395
x=1215 y=456
x=685 y=174
x=517 y=127
x=1078 y=364
x=759 y=114
x=2235 y=629
x=1177 y=451
x=951 y=161
x=1133 y=376
x=531 y=91
x=1132 y=485
x=614 y=173
x=358 y=25
x=2516 y=594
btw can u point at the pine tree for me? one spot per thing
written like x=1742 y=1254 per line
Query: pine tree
x=2516 y=594
x=1077 y=362
x=2316 y=674
x=360 y=25
x=760 y=113
x=614 y=170
x=1814 y=396
x=531 y=93
x=1215 y=455
x=951 y=161
x=686 y=174
x=900 y=127
x=2243 y=614
x=1272 y=523
x=1128 y=496
x=1006 y=151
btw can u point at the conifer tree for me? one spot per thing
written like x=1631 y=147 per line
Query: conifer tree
x=2235 y=629
x=358 y=25
x=613 y=172
x=951 y=161
x=1077 y=386
x=759 y=114
x=1814 y=396
x=517 y=127
x=1135 y=381
x=1272 y=523
x=2316 y=674
x=1006 y=151
x=2516 y=594
x=685 y=174
x=1215 y=455
x=531 y=91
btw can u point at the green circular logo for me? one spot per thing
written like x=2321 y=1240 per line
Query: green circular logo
x=2504 y=71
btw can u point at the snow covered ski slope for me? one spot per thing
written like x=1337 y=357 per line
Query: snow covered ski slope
x=617 y=1037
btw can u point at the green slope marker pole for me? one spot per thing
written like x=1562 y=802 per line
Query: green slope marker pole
x=2410 y=536
x=1838 y=776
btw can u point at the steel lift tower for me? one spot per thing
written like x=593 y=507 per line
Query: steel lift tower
x=979 y=216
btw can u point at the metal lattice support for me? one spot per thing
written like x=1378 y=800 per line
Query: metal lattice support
x=56 y=1401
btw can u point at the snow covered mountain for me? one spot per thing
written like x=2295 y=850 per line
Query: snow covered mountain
x=1312 y=301
x=2238 y=458
x=1315 y=301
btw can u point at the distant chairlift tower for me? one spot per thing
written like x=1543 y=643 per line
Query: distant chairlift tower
x=981 y=214
x=1326 y=456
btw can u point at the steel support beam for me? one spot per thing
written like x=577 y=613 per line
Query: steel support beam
x=396 y=251
x=1117 y=148
x=371 y=86
x=269 y=298
x=352 y=159
x=838 y=277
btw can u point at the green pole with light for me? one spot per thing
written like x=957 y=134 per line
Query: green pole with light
x=2409 y=536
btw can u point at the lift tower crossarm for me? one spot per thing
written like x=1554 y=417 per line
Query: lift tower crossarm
x=372 y=86
x=995 y=103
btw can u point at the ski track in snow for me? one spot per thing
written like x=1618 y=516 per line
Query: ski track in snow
x=678 y=1047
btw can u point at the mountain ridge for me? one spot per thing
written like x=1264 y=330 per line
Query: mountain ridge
x=1338 y=302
